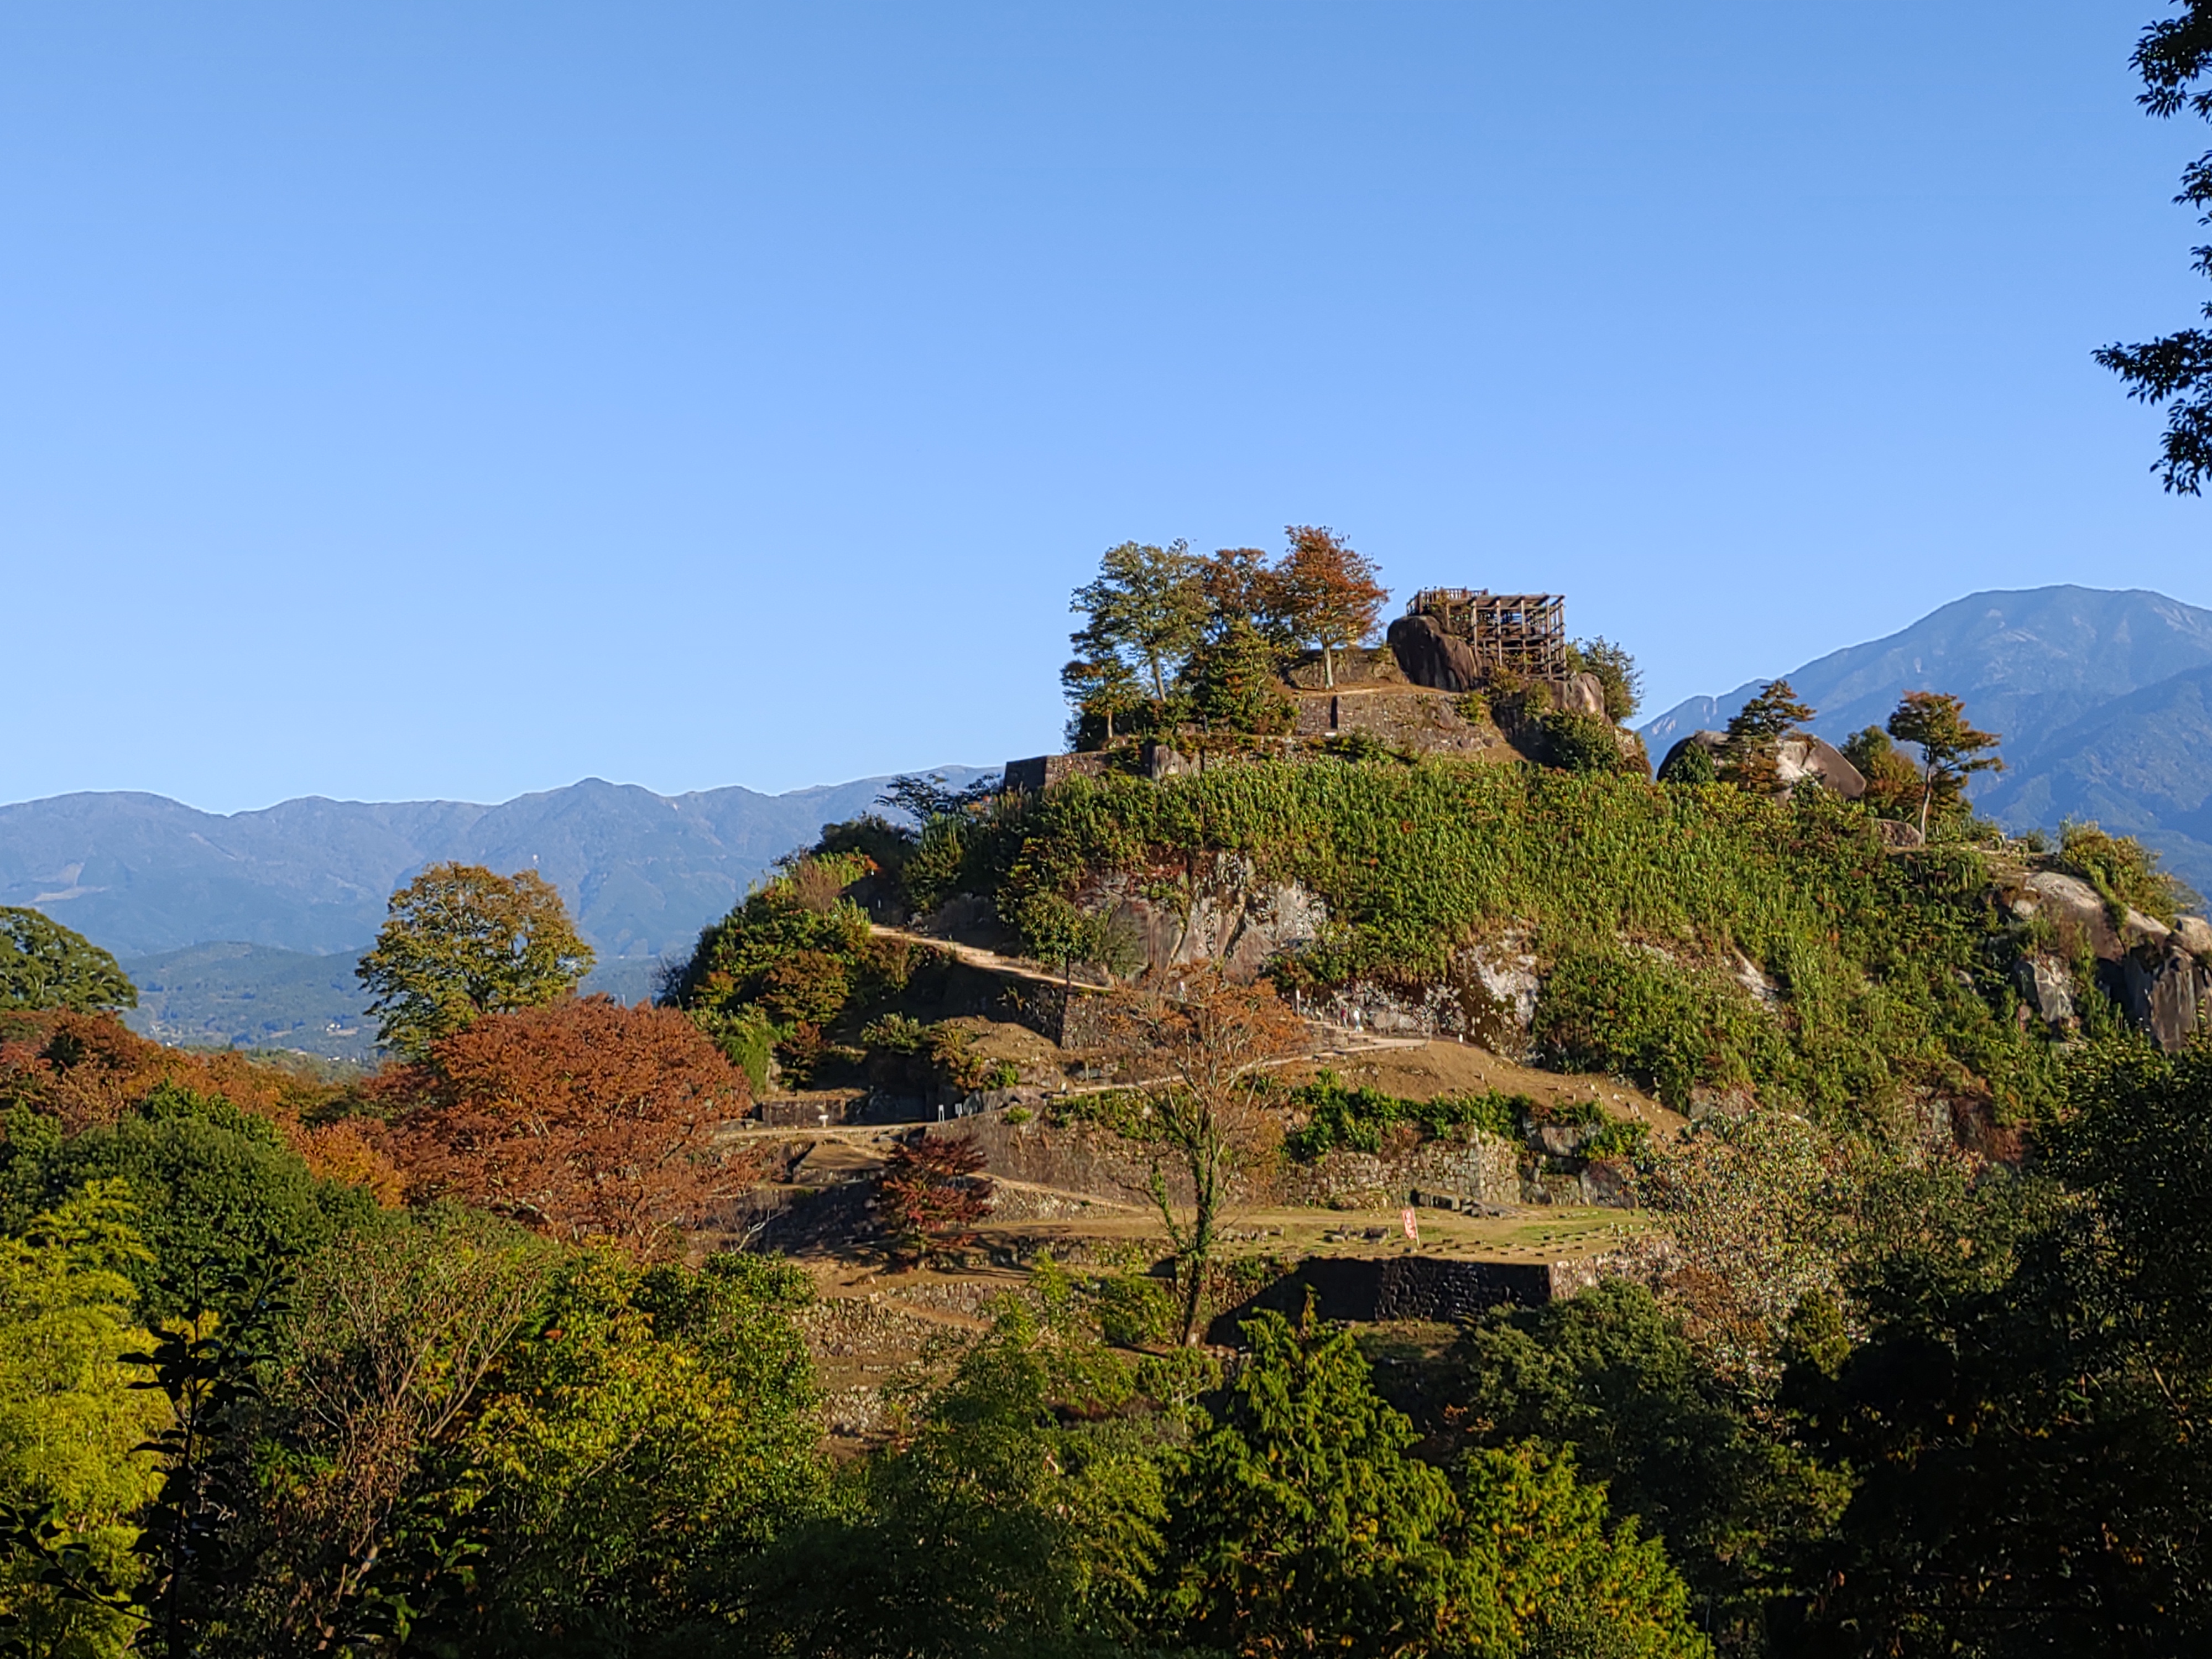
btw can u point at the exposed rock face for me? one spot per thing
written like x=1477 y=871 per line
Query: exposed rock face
x=2048 y=985
x=1580 y=694
x=2194 y=935
x=2155 y=972
x=1233 y=919
x=2168 y=992
x=1428 y=656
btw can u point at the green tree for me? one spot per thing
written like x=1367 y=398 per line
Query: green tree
x=1616 y=673
x=647 y=1426
x=1951 y=750
x=1102 y=689
x=1327 y=593
x=214 y=1187
x=1235 y=685
x=1542 y=1575
x=1747 y=755
x=1145 y=609
x=1610 y=1376
x=1302 y=1522
x=1689 y=764
x=1893 y=782
x=1020 y=1517
x=461 y=941
x=2172 y=57
x=72 y=1418
x=44 y=965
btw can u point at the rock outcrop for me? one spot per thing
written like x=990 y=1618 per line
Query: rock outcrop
x=1429 y=656
x=1580 y=694
x=1796 y=759
x=2161 y=976
x=1232 y=918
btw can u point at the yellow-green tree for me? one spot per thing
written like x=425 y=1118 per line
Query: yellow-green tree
x=461 y=941
x=72 y=1418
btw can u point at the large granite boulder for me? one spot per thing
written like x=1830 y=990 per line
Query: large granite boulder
x=1796 y=758
x=1428 y=656
x=1805 y=755
x=1580 y=694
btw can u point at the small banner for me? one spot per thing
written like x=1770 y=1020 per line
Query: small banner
x=1412 y=1224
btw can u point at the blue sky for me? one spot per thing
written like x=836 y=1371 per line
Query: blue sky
x=458 y=400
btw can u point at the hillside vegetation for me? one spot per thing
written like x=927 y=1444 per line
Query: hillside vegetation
x=1645 y=904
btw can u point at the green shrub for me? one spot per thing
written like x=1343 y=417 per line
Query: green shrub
x=2123 y=871
x=1692 y=764
x=1356 y=1120
x=1583 y=742
x=1134 y=1312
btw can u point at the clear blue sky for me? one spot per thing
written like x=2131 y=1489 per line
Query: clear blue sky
x=458 y=400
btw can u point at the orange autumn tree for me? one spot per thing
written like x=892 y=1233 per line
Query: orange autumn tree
x=1325 y=593
x=583 y=1119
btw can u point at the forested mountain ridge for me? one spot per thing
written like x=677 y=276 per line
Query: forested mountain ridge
x=2097 y=693
x=143 y=875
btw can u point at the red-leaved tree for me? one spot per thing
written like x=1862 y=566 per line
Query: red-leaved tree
x=583 y=1119
x=932 y=1193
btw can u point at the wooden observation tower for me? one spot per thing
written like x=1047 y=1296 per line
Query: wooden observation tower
x=1522 y=633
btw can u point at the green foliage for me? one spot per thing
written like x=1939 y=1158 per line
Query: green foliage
x=1546 y=1576
x=1888 y=981
x=1893 y=782
x=44 y=965
x=1637 y=1014
x=214 y=1187
x=1584 y=743
x=1951 y=750
x=1022 y=1517
x=460 y=942
x=1616 y=673
x=796 y=956
x=1144 y=612
x=70 y=1421
x=1357 y=1120
x=1234 y=685
x=1689 y=764
x=2123 y=871
x=1748 y=757
x=1610 y=1377
x=2022 y=1413
x=1302 y=1522
x=648 y=1425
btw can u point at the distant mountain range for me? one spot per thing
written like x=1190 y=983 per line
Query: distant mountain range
x=2104 y=700
x=245 y=929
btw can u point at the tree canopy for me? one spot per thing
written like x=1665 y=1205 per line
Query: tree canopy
x=44 y=965
x=1951 y=750
x=459 y=942
x=2172 y=57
